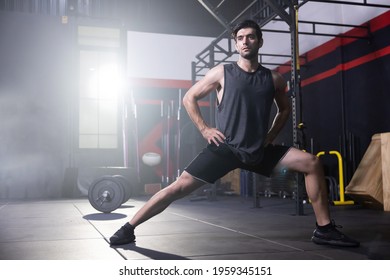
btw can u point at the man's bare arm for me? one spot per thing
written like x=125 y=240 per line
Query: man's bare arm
x=283 y=108
x=198 y=91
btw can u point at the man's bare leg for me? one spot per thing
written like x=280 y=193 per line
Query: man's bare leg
x=325 y=232
x=183 y=186
x=311 y=167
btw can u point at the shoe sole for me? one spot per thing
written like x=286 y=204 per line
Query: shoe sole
x=320 y=241
x=122 y=242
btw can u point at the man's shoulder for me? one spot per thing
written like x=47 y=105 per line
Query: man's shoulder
x=214 y=74
x=229 y=65
x=279 y=81
x=276 y=75
x=222 y=66
x=218 y=69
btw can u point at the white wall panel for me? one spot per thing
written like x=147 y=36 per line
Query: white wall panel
x=163 y=56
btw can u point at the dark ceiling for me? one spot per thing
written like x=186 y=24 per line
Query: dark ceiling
x=182 y=17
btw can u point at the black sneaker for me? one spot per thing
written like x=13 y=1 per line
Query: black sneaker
x=331 y=236
x=123 y=236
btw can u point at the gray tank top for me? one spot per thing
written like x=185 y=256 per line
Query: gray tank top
x=244 y=111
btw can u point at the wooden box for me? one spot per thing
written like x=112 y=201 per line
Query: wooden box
x=370 y=184
x=233 y=178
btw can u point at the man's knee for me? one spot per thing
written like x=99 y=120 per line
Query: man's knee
x=300 y=161
x=313 y=163
x=184 y=185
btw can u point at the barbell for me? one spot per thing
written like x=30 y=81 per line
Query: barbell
x=108 y=193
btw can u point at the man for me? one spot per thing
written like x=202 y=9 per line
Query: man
x=245 y=93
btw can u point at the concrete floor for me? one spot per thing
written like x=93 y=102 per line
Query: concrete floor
x=229 y=228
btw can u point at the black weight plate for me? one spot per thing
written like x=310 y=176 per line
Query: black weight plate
x=126 y=186
x=112 y=187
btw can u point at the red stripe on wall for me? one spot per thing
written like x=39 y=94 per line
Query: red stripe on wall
x=380 y=22
x=375 y=24
x=367 y=58
x=160 y=83
x=158 y=102
x=346 y=66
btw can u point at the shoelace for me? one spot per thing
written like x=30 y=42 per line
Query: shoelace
x=334 y=224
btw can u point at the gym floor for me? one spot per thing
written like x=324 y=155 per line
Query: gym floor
x=228 y=228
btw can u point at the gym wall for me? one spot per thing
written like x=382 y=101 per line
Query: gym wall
x=162 y=56
x=345 y=92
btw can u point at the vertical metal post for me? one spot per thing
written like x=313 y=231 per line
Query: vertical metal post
x=255 y=193
x=163 y=142
x=213 y=194
x=193 y=72
x=296 y=92
x=125 y=141
x=178 y=131
x=169 y=140
x=135 y=122
x=344 y=134
x=295 y=71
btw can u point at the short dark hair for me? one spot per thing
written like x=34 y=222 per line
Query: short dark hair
x=247 y=24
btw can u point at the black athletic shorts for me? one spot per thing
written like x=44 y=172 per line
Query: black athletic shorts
x=216 y=161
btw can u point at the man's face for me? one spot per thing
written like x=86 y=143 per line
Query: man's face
x=247 y=43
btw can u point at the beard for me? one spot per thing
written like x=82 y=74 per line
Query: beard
x=250 y=55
